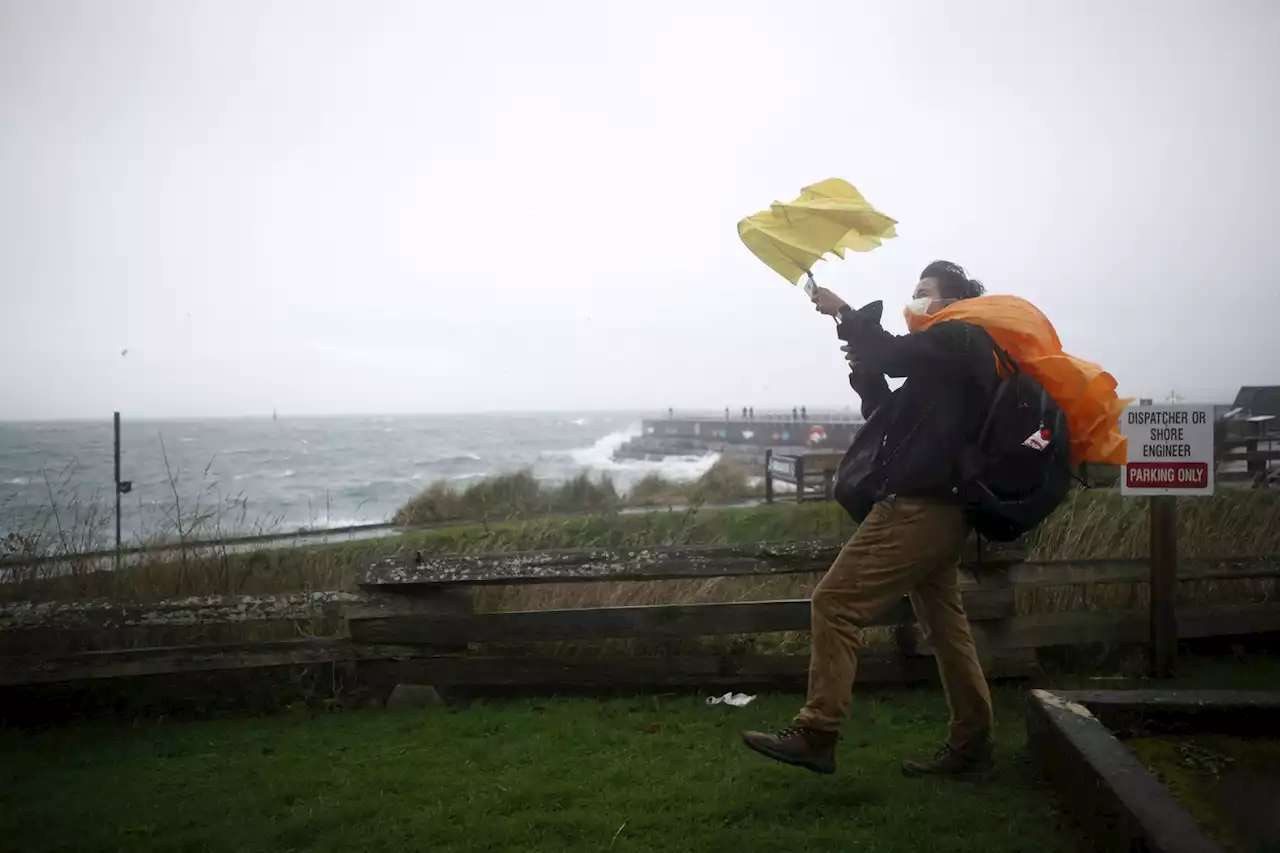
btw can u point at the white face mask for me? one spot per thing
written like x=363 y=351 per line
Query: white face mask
x=920 y=305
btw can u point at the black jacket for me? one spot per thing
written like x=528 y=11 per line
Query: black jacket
x=911 y=443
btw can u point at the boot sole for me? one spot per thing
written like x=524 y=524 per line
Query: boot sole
x=824 y=769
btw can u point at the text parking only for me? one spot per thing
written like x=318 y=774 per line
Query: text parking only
x=1170 y=450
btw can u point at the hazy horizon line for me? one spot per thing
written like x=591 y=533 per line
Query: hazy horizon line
x=643 y=412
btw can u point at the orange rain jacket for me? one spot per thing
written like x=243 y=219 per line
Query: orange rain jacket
x=1085 y=392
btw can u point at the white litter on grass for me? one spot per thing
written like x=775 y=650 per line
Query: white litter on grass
x=737 y=700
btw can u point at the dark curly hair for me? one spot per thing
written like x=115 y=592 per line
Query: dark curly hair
x=953 y=281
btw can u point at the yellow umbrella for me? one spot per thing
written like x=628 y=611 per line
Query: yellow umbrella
x=828 y=218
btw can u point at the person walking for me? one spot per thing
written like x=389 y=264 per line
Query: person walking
x=900 y=481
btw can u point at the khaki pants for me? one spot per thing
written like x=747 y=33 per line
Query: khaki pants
x=904 y=547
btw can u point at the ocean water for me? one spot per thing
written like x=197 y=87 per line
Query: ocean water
x=264 y=475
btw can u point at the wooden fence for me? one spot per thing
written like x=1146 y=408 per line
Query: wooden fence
x=1247 y=455
x=1244 y=455
x=415 y=620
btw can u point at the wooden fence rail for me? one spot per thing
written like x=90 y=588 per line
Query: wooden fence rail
x=414 y=618
x=813 y=474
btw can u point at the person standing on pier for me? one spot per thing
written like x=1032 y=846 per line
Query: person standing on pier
x=913 y=527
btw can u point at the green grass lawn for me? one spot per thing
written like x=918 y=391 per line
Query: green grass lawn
x=652 y=773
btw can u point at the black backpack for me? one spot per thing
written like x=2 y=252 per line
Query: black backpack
x=1019 y=469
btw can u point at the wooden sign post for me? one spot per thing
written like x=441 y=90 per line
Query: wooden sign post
x=1170 y=454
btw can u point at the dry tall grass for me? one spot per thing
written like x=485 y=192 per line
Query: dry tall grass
x=1089 y=525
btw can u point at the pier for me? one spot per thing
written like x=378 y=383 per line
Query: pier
x=744 y=438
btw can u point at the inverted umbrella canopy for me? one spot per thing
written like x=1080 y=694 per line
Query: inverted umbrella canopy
x=828 y=218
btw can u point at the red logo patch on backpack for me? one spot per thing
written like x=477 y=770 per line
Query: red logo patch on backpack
x=1039 y=439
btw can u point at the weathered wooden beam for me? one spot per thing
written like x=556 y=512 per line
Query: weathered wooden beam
x=1073 y=572
x=1130 y=713
x=687 y=671
x=647 y=564
x=1127 y=626
x=192 y=610
x=204 y=610
x=417 y=604
x=1122 y=804
x=600 y=564
x=127 y=663
x=52 y=628
x=159 y=661
x=649 y=621
x=389 y=663
x=62 y=627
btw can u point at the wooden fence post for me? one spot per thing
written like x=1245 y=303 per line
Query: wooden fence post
x=800 y=478
x=115 y=420
x=768 y=475
x=1164 y=569
x=1254 y=466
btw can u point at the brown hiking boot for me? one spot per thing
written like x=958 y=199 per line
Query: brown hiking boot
x=976 y=762
x=808 y=748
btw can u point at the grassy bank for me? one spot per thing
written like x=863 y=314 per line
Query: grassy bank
x=521 y=496
x=1089 y=525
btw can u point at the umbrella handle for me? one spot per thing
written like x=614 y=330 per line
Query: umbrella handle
x=811 y=287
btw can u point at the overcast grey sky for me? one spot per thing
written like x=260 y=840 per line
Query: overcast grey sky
x=341 y=207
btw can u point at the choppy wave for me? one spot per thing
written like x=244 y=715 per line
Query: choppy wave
x=265 y=475
x=283 y=471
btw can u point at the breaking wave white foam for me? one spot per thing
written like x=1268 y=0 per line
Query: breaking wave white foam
x=265 y=475
x=599 y=459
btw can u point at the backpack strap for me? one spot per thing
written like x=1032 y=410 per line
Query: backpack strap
x=1010 y=368
x=1005 y=361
